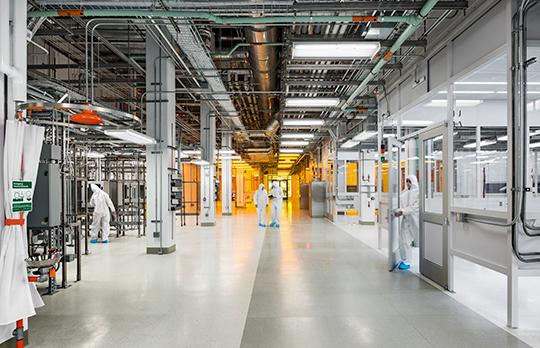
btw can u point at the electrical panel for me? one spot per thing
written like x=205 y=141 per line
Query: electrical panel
x=47 y=197
x=176 y=192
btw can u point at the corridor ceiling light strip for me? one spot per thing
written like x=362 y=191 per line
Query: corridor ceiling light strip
x=289 y=150
x=191 y=152
x=199 y=162
x=131 y=136
x=359 y=49
x=482 y=143
x=349 y=144
x=295 y=143
x=461 y=102
x=226 y=152
x=364 y=135
x=93 y=154
x=416 y=123
x=311 y=102
x=389 y=135
x=534 y=145
x=303 y=122
x=297 y=135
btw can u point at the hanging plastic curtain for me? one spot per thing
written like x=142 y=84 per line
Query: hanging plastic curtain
x=33 y=142
x=17 y=296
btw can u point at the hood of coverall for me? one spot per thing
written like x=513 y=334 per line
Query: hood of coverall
x=95 y=188
x=414 y=182
x=261 y=187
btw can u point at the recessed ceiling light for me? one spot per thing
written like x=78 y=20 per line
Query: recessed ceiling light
x=311 y=102
x=349 y=143
x=291 y=150
x=359 y=49
x=303 y=122
x=297 y=135
x=294 y=143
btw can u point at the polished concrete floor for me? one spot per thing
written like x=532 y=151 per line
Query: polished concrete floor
x=310 y=284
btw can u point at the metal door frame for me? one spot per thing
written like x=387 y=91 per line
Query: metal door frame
x=438 y=274
x=393 y=222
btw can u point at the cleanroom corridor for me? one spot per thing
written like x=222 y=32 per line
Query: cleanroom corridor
x=236 y=285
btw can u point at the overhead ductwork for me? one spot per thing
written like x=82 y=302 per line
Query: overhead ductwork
x=263 y=56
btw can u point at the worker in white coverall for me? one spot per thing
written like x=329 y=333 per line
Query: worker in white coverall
x=260 y=198
x=101 y=202
x=276 y=194
x=410 y=208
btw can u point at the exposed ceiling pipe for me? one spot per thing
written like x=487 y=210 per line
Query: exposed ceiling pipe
x=263 y=59
x=411 y=28
x=263 y=20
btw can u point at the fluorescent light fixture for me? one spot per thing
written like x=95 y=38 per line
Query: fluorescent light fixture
x=349 y=143
x=93 y=154
x=389 y=135
x=416 y=123
x=438 y=138
x=303 y=122
x=482 y=143
x=437 y=103
x=131 y=136
x=291 y=150
x=359 y=49
x=226 y=152
x=191 y=152
x=414 y=158
x=200 y=162
x=311 y=102
x=481 y=83
x=502 y=138
x=257 y=149
x=228 y=157
x=297 y=135
x=364 y=135
x=295 y=143
x=534 y=145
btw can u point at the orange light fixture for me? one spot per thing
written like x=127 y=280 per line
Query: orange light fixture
x=88 y=117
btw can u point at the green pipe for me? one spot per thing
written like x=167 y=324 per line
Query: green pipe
x=237 y=46
x=220 y=20
x=413 y=25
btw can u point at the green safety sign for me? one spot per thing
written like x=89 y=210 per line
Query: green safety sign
x=21 y=196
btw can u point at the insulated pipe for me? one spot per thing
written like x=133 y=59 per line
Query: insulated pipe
x=263 y=60
x=412 y=20
x=411 y=28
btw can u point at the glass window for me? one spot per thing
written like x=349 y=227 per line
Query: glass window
x=480 y=138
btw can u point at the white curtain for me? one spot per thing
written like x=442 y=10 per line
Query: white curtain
x=22 y=148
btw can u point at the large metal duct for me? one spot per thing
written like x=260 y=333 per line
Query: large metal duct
x=264 y=61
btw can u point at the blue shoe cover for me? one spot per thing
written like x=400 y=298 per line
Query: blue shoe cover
x=273 y=224
x=105 y=242
x=403 y=266
x=262 y=225
x=93 y=241
x=277 y=225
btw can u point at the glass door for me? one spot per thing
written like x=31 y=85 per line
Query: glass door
x=433 y=220
x=394 y=195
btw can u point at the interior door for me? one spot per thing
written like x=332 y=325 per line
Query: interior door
x=394 y=195
x=434 y=205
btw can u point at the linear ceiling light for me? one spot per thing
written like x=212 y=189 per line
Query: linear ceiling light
x=295 y=143
x=364 y=135
x=359 y=49
x=226 y=152
x=461 y=103
x=131 y=136
x=297 y=135
x=191 y=152
x=416 y=123
x=199 y=162
x=482 y=143
x=291 y=150
x=389 y=135
x=349 y=143
x=93 y=154
x=311 y=102
x=303 y=122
